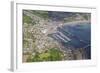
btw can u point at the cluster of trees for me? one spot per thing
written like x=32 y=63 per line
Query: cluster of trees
x=53 y=54
x=27 y=19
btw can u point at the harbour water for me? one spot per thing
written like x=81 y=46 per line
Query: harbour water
x=75 y=37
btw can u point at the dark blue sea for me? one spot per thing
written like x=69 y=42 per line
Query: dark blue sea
x=75 y=36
